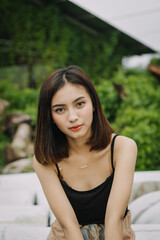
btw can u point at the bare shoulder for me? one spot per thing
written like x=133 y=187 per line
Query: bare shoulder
x=125 y=150
x=38 y=167
x=123 y=142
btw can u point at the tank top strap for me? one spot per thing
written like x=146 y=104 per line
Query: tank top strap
x=112 y=150
x=59 y=175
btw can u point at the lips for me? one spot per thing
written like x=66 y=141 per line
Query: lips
x=76 y=128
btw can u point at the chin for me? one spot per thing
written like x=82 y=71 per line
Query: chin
x=81 y=136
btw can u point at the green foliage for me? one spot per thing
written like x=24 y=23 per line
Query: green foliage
x=155 y=61
x=24 y=101
x=109 y=99
x=139 y=117
x=40 y=34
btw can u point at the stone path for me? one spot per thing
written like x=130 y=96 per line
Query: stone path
x=25 y=214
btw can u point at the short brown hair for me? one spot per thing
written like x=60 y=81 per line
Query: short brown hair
x=50 y=143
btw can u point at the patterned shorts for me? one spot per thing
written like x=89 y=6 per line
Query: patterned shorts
x=93 y=232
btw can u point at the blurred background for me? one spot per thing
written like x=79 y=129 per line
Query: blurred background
x=39 y=36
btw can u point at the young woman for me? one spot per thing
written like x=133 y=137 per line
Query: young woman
x=86 y=170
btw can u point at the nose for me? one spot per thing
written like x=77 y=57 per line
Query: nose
x=72 y=115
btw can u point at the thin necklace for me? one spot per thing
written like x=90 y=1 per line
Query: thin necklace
x=84 y=166
x=81 y=167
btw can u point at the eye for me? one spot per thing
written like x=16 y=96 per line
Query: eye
x=59 y=110
x=80 y=104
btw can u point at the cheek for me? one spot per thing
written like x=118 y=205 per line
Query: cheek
x=88 y=114
x=59 y=121
x=55 y=119
x=89 y=111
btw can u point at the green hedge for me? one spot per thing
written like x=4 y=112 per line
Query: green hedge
x=138 y=115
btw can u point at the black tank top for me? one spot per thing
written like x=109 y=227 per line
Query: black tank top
x=90 y=206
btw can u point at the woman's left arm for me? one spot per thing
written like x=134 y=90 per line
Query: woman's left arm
x=125 y=154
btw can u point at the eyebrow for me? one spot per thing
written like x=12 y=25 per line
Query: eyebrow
x=61 y=105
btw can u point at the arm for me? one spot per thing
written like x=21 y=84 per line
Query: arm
x=58 y=201
x=125 y=153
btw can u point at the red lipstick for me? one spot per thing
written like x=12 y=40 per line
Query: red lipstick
x=76 y=128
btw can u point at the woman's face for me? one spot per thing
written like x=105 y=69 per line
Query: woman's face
x=72 y=111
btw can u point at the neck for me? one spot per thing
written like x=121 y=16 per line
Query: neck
x=78 y=147
x=80 y=155
x=79 y=152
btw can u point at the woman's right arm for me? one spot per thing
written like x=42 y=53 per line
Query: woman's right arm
x=58 y=201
